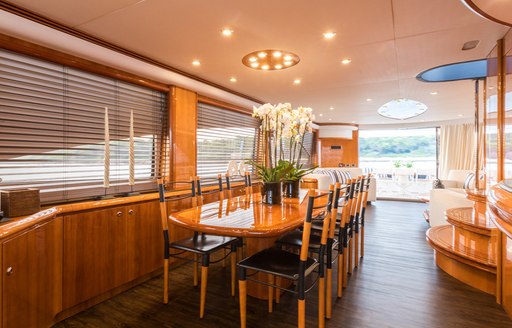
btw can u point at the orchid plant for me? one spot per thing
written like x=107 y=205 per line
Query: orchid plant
x=281 y=124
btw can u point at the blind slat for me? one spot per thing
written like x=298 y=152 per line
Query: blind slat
x=52 y=129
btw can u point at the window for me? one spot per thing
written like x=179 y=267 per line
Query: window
x=52 y=129
x=222 y=136
x=306 y=153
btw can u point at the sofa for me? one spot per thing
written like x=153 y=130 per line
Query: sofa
x=324 y=179
x=453 y=195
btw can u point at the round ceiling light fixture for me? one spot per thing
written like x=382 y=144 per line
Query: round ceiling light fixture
x=270 y=60
x=402 y=109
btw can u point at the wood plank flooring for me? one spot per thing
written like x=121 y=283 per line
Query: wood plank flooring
x=396 y=285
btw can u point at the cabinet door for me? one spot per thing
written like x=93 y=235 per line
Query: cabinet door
x=32 y=277
x=94 y=254
x=145 y=239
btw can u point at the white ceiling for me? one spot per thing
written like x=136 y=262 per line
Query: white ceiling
x=389 y=42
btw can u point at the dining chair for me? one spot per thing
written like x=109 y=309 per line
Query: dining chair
x=366 y=188
x=357 y=218
x=293 y=240
x=350 y=227
x=279 y=263
x=345 y=237
x=201 y=245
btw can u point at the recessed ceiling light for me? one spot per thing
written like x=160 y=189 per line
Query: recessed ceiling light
x=460 y=115
x=297 y=81
x=329 y=35
x=331 y=108
x=227 y=32
x=233 y=79
x=368 y=99
x=433 y=93
x=255 y=65
x=346 y=61
x=320 y=114
x=271 y=59
x=353 y=121
x=330 y=119
x=196 y=62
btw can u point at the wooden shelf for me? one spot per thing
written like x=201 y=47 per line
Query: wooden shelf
x=468 y=219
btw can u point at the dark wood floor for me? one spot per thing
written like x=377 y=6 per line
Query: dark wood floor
x=396 y=285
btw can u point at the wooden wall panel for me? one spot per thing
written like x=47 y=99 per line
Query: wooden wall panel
x=183 y=122
x=348 y=154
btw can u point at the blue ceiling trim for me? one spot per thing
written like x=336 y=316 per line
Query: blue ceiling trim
x=470 y=70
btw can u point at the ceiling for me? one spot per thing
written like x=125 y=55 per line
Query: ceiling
x=388 y=41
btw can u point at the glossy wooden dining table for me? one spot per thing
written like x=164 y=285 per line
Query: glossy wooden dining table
x=246 y=216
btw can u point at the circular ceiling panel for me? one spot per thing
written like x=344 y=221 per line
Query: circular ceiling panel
x=402 y=109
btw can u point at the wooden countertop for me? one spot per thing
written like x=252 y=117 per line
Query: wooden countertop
x=18 y=224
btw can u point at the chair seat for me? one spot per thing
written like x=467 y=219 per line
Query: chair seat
x=294 y=239
x=278 y=262
x=203 y=244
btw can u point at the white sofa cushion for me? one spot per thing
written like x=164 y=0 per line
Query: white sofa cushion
x=443 y=199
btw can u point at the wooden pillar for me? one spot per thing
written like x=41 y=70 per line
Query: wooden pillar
x=501 y=112
x=183 y=125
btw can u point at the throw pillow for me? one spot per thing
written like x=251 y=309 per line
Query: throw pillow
x=437 y=184
x=469 y=182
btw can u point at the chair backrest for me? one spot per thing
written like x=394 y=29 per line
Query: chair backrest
x=201 y=182
x=340 y=193
x=184 y=190
x=349 y=200
x=366 y=187
x=319 y=208
x=247 y=183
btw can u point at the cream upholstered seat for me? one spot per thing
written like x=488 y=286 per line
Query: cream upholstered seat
x=453 y=195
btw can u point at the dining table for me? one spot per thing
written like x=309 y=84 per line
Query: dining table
x=246 y=216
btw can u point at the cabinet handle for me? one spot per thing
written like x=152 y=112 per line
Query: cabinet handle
x=9 y=271
x=119 y=213
x=130 y=212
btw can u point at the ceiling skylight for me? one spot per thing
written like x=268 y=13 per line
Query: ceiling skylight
x=402 y=109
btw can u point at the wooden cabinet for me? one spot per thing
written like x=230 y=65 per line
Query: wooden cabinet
x=32 y=276
x=105 y=249
x=145 y=250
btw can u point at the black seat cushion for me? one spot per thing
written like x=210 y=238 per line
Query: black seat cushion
x=203 y=244
x=294 y=238
x=277 y=262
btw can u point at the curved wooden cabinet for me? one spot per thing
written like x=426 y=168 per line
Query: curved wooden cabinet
x=500 y=212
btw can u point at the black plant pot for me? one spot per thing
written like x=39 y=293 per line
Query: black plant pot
x=291 y=189
x=271 y=193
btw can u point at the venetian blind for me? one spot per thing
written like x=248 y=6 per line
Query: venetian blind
x=222 y=136
x=52 y=129
x=306 y=153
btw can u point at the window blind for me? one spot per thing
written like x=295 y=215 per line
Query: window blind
x=222 y=136
x=52 y=129
x=306 y=155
